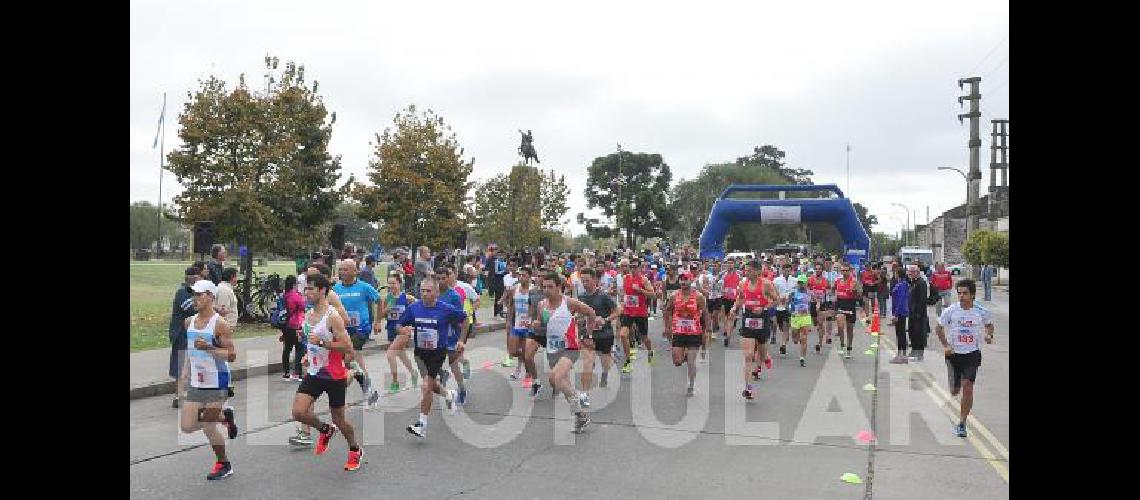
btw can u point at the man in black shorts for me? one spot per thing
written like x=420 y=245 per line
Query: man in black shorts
x=429 y=323
x=328 y=343
x=684 y=312
x=960 y=329
x=603 y=337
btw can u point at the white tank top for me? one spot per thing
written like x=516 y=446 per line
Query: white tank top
x=206 y=371
x=318 y=356
x=561 y=329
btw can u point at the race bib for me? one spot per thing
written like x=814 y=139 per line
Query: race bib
x=395 y=312
x=427 y=338
x=801 y=308
x=632 y=300
x=730 y=293
x=753 y=323
x=318 y=358
x=353 y=319
x=688 y=326
x=965 y=339
x=521 y=321
x=818 y=294
x=555 y=345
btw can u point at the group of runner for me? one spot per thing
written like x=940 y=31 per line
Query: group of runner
x=600 y=312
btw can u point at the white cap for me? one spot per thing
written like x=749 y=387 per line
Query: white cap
x=205 y=286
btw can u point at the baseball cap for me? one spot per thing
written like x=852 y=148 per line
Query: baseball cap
x=654 y=266
x=201 y=286
x=802 y=279
x=192 y=271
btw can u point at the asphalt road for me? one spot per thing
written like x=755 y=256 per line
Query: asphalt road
x=647 y=439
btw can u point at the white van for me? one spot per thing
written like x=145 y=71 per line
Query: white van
x=910 y=254
x=738 y=255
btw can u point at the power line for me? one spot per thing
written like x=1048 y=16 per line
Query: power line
x=991 y=52
x=999 y=66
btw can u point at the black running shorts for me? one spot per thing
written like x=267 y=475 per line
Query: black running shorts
x=315 y=386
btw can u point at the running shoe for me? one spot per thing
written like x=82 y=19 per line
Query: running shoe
x=632 y=353
x=749 y=394
x=704 y=355
x=829 y=341
x=515 y=374
x=627 y=367
x=507 y=361
x=534 y=388
x=449 y=400
x=466 y=370
x=960 y=430
x=584 y=399
x=285 y=375
x=323 y=440
x=803 y=362
x=726 y=340
x=712 y=336
x=443 y=377
x=175 y=404
x=650 y=358
x=354 y=457
x=295 y=378
x=848 y=356
x=301 y=439
x=393 y=388
x=415 y=378
x=817 y=346
x=689 y=392
x=228 y=414
x=417 y=429
x=784 y=350
x=462 y=400
x=373 y=397
x=359 y=377
x=221 y=470
x=767 y=363
x=899 y=360
x=581 y=420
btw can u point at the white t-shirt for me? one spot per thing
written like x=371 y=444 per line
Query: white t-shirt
x=301 y=280
x=965 y=328
x=784 y=287
x=469 y=291
x=509 y=280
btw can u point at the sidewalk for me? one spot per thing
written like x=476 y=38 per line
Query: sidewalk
x=149 y=368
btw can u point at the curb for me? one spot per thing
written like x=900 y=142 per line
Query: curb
x=167 y=387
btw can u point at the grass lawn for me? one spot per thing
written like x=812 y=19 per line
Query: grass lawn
x=152 y=292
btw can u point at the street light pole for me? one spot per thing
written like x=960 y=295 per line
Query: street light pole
x=967 y=179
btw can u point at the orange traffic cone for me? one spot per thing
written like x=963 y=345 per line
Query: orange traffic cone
x=875 y=319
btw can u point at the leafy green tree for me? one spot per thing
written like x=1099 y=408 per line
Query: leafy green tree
x=144 y=227
x=866 y=219
x=258 y=163
x=633 y=189
x=419 y=182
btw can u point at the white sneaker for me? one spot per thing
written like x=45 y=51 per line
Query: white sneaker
x=417 y=429
x=449 y=399
x=584 y=399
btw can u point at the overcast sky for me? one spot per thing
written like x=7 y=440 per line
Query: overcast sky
x=697 y=82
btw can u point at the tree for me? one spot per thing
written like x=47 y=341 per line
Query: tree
x=504 y=207
x=419 y=182
x=987 y=247
x=866 y=219
x=257 y=163
x=632 y=188
x=144 y=227
x=357 y=231
x=692 y=201
x=884 y=244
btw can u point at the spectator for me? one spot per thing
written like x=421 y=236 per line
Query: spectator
x=988 y=273
x=917 y=325
x=217 y=263
x=367 y=274
x=295 y=307
x=226 y=302
x=495 y=270
x=423 y=268
x=900 y=306
x=182 y=308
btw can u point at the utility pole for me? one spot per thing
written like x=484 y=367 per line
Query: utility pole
x=848 y=170
x=998 y=137
x=975 y=174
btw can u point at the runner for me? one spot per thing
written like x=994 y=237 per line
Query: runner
x=563 y=340
x=870 y=277
x=429 y=323
x=358 y=299
x=943 y=282
x=534 y=339
x=847 y=309
x=635 y=314
x=686 y=315
x=785 y=287
x=670 y=284
x=964 y=349
x=328 y=343
x=392 y=308
x=602 y=333
x=713 y=289
x=728 y=281
x=451 y=294
x=518 y=317
x=801 y=303
x=753 y=299
x=830 y=276
x=210 y=349
x=509 y=281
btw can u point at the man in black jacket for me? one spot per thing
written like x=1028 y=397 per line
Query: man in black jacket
x=494 y=268
x=917 y=322
x=182 y=308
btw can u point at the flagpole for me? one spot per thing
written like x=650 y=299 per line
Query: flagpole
x=161 y=154
x=849 y=170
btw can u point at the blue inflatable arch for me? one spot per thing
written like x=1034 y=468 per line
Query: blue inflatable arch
x=838 y=211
